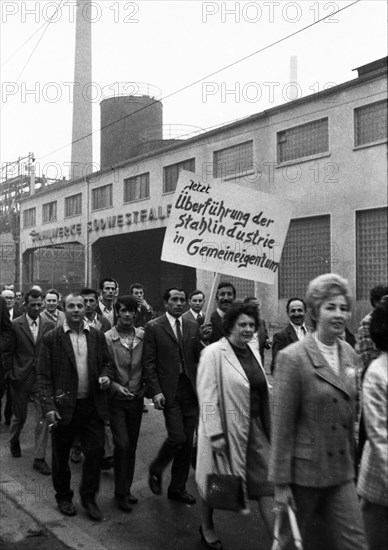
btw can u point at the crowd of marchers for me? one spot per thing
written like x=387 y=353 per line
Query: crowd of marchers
x=314 y=439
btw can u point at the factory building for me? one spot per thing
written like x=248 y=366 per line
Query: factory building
x=326 y=152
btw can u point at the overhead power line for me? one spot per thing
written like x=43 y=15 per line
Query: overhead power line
x=248 y=56
x=47 y=24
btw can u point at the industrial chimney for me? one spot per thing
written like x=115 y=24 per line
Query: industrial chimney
x=82 y=140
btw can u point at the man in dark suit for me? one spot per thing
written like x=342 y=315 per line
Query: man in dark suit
x=29 y=330
x=6 y=336
x=144 y=312
x=12 y=305
x=226 y=294
x=196 y=302
x=108 y=290
x=294 y=331
x=170 y=355
x=74 y=370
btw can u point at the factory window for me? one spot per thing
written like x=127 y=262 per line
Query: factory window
x=306 y=254
x=73 y=205
x=171 y=174
x=371 y=250
x=102 y=197
x=232 y=161
x=303 y=141
x=370 y=123
x=137 y=187
x=29 y=217
x=49 y=212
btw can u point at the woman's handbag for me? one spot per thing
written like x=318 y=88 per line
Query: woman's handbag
x=294 y=529
x=225 y=491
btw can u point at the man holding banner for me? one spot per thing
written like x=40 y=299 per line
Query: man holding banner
x=226 y=294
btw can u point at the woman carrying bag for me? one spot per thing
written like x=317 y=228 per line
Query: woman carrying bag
x=315 y=406
x=234 y=422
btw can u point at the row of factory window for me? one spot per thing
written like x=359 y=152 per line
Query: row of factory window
x=299 y=142
x=309 y=251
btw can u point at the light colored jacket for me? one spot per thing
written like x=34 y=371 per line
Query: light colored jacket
x=373 y=477
x=314 y=411
x=224 y=397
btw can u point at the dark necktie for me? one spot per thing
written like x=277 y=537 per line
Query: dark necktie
x=180 y=342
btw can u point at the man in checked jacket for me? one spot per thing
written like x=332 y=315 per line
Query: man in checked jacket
x=74 y=370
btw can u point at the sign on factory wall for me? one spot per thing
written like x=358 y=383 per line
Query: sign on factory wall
x=226 y=228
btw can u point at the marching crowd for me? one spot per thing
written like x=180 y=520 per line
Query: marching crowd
x=311 y=437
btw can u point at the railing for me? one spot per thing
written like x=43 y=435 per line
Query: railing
x=170 y=131
x=127 y=89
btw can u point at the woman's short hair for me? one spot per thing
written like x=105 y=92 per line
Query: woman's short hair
x=129 y=302
x=323 y=288
x=379 y=325
x=236 y=309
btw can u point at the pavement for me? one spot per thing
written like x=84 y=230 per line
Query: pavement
x=31 y=520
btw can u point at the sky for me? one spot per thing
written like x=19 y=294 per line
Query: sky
x=176 y=46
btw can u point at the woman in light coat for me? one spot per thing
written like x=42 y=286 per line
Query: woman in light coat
x=234 y=423
x=315 y=405
x=373 y=476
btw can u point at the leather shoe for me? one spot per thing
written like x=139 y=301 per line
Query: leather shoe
x=67 y=508
x=123 y=503
x=92 y=510
x=215 y=545
x=155 y=483
x=41 y=465
x=181 y=496
x=132 y=499
x=107 y=463
x=16 y=451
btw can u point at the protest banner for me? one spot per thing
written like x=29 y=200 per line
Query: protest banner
x=226 y=228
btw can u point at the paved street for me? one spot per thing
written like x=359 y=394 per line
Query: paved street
x=154 y=524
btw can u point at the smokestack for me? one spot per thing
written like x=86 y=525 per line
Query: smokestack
x=293 y=93
x=82 y=140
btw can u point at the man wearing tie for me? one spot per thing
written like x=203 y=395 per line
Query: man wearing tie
x=294 y=331
x=196 y=301
x=29 y=329
x=170 y=355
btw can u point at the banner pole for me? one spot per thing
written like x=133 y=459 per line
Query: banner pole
x=212 y=297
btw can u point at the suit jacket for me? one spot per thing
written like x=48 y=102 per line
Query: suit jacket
x=17 y=312
x=161 y=356
x=218 y=328
x=6 y=330
x=281 y=340
x=142 y=316
x=189 y=315
x=25 y=351
x=314 y=411
x=99 y=312
x=57 y=375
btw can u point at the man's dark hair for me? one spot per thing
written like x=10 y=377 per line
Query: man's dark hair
x=128 y=301
x=249 y=299
x=376 y=293
x=107 y=280
x=52 y=291
x=379 y=325
x=135 y=285
x=225 y=284
x=236 y=309
x=293 y=300
x=167 y=292
x=196 y=292
x=88 y=291
x=34 y=293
